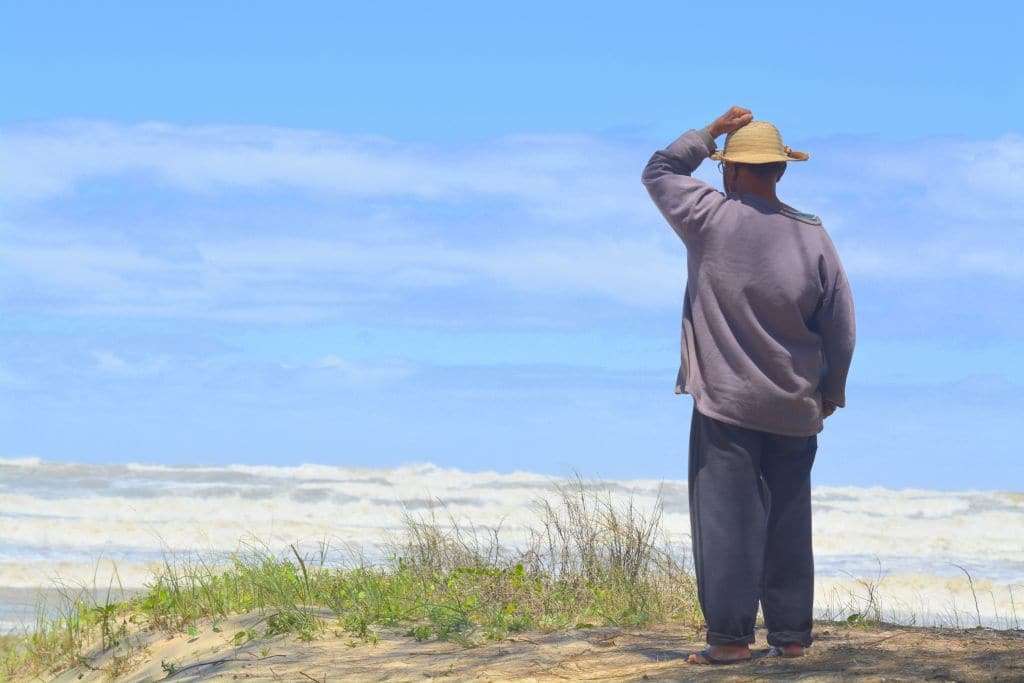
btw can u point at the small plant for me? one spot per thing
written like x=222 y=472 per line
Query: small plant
x=974 y=594
x=587 y=562
x=120 y=664
x=421 y=632
x=243 y=636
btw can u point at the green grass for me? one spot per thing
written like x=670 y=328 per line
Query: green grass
x=588 y=562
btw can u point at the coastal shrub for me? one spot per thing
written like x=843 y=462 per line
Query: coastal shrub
x=587 y=562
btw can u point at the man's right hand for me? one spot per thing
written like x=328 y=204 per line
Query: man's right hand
x=736 y=117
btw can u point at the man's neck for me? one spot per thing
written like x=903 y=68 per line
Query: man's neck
x=764 y=191
x=765 y=194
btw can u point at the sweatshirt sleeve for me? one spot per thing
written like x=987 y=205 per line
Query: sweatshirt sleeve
x=835 y=322
x=685 y=202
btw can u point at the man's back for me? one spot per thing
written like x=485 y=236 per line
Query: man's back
x=768 y=335
x=768 y=326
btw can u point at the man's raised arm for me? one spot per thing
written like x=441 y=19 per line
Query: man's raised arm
x=685 y=202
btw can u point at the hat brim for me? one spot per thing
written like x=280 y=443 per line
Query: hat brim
x=755 y=158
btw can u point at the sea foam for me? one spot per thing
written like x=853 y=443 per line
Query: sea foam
x=82 y=524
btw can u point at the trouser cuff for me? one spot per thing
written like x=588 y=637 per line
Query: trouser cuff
x=780 y=638
x=715 y=638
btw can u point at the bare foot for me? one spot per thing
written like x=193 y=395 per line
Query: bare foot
x=788 y=650
x=720 y=654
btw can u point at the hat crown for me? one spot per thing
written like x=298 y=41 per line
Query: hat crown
x=756 y=136
x=758 y=142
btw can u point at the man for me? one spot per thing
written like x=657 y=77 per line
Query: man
x=767 y=339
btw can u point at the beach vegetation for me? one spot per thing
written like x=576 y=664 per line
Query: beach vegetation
x=588 y=562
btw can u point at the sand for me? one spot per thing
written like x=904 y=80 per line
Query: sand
x=605 y=654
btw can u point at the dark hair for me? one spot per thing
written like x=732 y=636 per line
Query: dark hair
x=772 y=170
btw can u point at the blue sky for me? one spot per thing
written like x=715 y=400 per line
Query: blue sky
x=312 y=232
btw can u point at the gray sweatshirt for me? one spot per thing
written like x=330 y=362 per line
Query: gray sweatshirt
x=768 y=319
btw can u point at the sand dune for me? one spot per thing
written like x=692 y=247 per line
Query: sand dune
x=607 y=654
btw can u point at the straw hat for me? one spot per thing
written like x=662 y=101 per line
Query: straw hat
x=758 y=142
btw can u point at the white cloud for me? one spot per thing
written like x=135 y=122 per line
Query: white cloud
x=10 y=379
x=570 y=177
x=925 y=188
x=112 y=363
x=558 y=175
x=930 y=209
x=625 y=270
x=948 y=260
x=363 y=372
x=313 y=279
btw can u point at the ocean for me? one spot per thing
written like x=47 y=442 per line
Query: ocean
x=926 y=557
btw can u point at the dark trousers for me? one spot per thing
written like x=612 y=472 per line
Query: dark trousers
x=750 y=518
